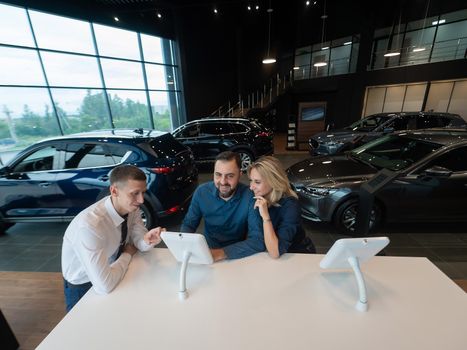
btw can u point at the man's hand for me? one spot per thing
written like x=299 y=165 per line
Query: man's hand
x=153 y=236
x=218 y=254
x=130 y=249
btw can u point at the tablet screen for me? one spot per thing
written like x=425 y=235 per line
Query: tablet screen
x=195 y=243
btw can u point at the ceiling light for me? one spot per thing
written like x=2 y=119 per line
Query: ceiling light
x=441 y=21
x=418 y=49
x=257 y=7
x=307 y=3
x=296 y=68
x=392 y=54
x=116 y=19
x=348 y=43
x=215 y=11
x=323 y=17
x=249 y=8
x=268 y=59
x=159 y=15
x=320 y=64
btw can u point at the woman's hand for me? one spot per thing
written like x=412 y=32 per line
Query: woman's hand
x=262 y=205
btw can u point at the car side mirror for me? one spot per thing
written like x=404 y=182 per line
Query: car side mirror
x=437 y=171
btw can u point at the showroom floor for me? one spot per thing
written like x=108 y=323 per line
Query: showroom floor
x=36 y=247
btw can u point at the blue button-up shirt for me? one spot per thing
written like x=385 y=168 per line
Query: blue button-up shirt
x=225 y=221
x=286 y=220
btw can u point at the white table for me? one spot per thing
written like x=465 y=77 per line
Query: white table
x=260 y=303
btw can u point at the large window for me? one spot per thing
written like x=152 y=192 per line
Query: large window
x=442 y=96
x=329 y=58
x=60 y=75
x=433 y=39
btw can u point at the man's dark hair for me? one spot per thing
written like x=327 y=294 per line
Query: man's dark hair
x=227 y=156
x=123 y=173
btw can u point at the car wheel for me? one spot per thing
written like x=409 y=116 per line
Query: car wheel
x=5 y=226
x=245 y=159
x=345 y=218
x=148 y=216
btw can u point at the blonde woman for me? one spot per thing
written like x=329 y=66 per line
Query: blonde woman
x=278 y=208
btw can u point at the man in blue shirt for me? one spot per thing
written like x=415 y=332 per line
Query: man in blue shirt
x=225 y=205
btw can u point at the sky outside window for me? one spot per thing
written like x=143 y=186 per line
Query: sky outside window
x=114 y=42
x=20 y=67
x=71 y=70
x=61 y=33
x=14 y=17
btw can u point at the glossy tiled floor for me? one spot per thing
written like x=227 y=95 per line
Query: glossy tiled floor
x=36 y=247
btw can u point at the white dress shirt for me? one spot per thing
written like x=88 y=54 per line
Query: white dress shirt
x=91 y=242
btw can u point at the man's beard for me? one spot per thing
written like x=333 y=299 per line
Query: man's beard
x=225 y=194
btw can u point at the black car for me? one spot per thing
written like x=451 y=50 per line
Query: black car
x=377 y=125
x=210 y=136
x=55 y=179
x=430 y=183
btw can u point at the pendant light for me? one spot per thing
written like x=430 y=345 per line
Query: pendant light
x=269 y=59
x=420 y=48
x=323 y=17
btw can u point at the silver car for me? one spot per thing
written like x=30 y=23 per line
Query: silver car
x=377 y=125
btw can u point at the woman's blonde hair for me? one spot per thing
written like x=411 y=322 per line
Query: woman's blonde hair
x=270 y=169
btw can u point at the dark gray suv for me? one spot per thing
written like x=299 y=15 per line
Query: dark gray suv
x=430 y=183
x=376 y=125
x=210 y=136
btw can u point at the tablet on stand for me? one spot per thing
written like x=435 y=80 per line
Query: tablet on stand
x=187 y=248
x=350 y=252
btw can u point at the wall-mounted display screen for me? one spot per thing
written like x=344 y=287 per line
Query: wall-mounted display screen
x=313 y=113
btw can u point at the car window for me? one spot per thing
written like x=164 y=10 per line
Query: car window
x=238 y=128
x=369 y=123
x=164 y=146
x=85 y=155
x=454 y=160
x=394 y=152
x=403 y=123
x=209 y=129
x=122 y=153
x=40 y=160
x=190 y=131
x=429 y=121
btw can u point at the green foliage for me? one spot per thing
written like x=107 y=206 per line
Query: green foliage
x=93 y=114
x=4 y=131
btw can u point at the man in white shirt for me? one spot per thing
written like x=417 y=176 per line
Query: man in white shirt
x=96 y=249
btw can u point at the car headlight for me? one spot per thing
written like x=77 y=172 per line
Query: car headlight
x=317 y=191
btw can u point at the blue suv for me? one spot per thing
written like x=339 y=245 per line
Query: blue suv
x=53 y=180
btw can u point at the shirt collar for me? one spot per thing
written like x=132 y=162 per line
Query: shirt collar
x=116 y=218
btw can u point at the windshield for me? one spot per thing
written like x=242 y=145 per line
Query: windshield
x=369 y=123
x=394 y=152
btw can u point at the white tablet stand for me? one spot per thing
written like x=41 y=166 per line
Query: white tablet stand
x=182 y=293
x=187 y=248
x=353 y=251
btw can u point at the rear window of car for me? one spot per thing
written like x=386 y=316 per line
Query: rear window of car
x=213 y=128
x=90 y=155
x=239 y=128
x=165 y=146
x=394 y=152
x=369 y=123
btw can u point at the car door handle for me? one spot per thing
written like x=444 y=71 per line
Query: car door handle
x=44 y=184
x=103 y=178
